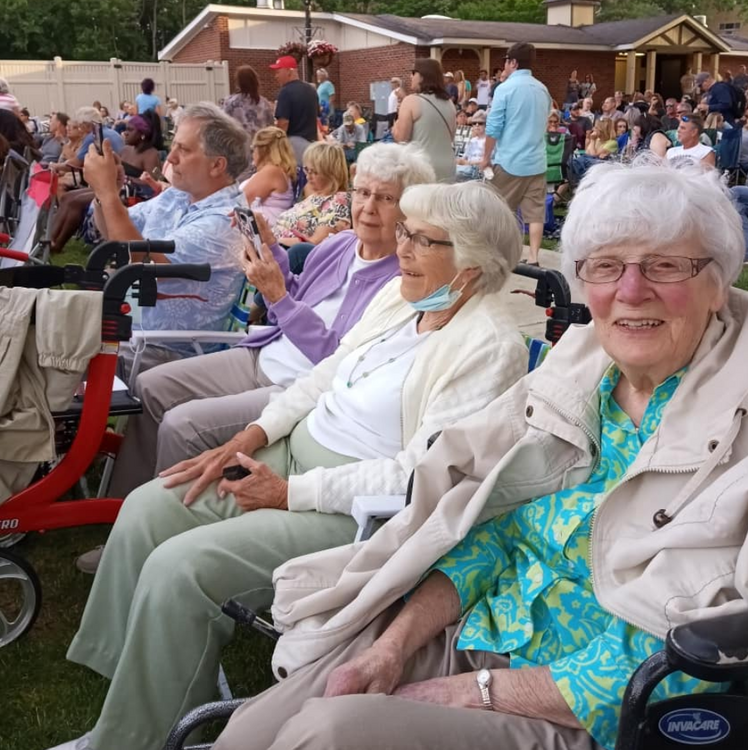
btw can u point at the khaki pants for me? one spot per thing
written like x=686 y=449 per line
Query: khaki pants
x=153 y=622
x=292 y=714
x=189 y=406
x=525 y=193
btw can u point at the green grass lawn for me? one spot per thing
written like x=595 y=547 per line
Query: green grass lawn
x=45 y=699
x=742 y=282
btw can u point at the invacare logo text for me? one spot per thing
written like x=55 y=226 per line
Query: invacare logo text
x=694 y=726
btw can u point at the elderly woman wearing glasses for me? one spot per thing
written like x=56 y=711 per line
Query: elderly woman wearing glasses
x=607 y=497
x=434 y=346
x=198 y=403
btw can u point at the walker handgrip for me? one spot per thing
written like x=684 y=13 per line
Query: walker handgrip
x=193 y=271
x=119 y=253
x=165 y=247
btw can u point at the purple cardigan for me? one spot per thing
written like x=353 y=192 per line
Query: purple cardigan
x=325 y=270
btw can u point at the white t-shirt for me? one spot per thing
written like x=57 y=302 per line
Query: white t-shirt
x=695 y=153
x=280 y=360
x=482 y=92
x=361 y=415
x=392 y=102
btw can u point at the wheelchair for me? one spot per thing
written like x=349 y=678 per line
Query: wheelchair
x=714 y=650
x=81 y=429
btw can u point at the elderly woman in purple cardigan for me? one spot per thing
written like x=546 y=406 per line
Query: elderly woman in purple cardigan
x=198 y=403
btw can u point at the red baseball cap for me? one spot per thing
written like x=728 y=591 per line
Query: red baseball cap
x=284 y=62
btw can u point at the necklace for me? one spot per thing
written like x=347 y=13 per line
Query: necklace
x=352 y=381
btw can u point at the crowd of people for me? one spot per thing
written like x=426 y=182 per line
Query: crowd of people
x=562 y=521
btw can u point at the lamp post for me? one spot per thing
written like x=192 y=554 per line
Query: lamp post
x=307 y=38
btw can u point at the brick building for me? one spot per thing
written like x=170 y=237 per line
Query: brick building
x=648 y=53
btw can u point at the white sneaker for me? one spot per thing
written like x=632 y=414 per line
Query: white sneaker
x=82 y=743
x=88 y=563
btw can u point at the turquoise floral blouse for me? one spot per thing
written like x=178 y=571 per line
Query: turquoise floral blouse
x=526 y=581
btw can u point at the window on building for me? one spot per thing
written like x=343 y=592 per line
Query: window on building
x=730 y=28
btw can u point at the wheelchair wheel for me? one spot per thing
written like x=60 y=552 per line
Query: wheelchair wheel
x=20 y=597
x=10 y=540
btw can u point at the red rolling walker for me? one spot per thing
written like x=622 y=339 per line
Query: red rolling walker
x=82 y=428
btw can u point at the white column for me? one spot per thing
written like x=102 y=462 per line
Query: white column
x=435 y=53
x=714 y=65
x=651 y=67
x=485 y=59
x=630 y=72
x=698 y=61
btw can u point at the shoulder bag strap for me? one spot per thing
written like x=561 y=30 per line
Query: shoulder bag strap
x=438 y=111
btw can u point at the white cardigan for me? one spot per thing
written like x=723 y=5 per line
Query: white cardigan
x=457 y=371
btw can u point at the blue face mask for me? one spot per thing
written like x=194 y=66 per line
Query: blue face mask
x=442 y=299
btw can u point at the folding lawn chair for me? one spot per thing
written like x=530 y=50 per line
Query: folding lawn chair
x=30 y=242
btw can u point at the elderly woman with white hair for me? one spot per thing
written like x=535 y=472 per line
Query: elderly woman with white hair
x=435 y=345
x=607 y=498
x=198 y=403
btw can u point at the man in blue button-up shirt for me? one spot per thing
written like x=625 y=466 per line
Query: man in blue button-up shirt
x=207 y=155
x=515 y=140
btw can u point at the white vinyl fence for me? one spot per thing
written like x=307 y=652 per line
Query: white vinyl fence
x=63 y=86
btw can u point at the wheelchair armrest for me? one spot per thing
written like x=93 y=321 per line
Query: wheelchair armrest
x=197 y=717
x=368 y=509
x=200 y=337
x=715 y=649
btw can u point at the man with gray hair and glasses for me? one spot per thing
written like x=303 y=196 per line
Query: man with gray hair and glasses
x=207 y=155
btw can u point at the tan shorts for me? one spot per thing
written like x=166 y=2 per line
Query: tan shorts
x=525 y=193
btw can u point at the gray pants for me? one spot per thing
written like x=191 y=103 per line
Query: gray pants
x=292 y=714
x=189 y=406
x=152 y=356
x=299 y=145
x=153 y=622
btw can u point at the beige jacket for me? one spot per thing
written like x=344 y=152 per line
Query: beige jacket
x=40 y=367
x=542 y=436
x=457 y=371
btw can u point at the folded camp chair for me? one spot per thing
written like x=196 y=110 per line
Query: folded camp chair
x=559 y=150
x=12 y=184
x=30 y=242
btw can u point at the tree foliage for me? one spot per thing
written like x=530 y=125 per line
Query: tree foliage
x=137 y=29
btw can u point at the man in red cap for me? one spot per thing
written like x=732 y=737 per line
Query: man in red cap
x=296 y=105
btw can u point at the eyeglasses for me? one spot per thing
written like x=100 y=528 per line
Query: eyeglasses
x=363 y=194
x=662 y=269
x=309 y=172
x=420 y=241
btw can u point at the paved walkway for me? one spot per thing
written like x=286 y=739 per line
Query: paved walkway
x=531 y=318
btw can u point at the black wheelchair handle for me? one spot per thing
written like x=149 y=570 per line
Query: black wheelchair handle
x=118 y=253
x=193 y=271
x=120 y=282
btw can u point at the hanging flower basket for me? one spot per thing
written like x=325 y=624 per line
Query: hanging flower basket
x=321 y=52
x=294 y=49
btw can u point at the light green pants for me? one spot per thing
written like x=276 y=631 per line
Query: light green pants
x=153 y=622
